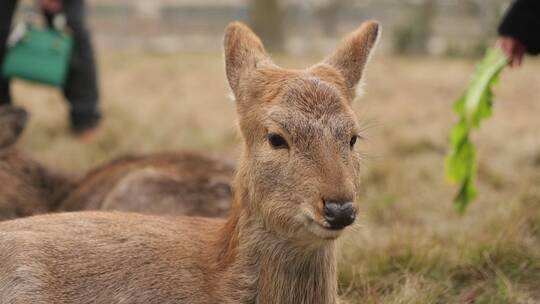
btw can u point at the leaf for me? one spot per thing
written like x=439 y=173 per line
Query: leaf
x=472 y=107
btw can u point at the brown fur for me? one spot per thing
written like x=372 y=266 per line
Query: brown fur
x=12 y=123
x=175 y=183
x=273 y=248
x=27 y=187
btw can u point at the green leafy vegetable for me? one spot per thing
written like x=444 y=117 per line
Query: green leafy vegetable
x=474 y=106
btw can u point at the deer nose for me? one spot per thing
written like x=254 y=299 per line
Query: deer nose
x=339 y=215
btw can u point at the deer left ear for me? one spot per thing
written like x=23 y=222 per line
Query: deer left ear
x=352 y=54
x=244 y=51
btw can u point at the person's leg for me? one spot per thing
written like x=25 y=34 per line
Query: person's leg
x=7 y=8
x=81 y=88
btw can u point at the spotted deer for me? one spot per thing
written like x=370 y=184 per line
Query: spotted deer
x=293 y=197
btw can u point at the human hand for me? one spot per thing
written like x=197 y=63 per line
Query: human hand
x=51 y=6
x=513 y=49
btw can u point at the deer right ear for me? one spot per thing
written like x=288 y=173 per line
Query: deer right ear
x=243 y=53
x=353 y=53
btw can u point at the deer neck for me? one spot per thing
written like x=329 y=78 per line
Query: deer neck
x=272 y=269
x=288 y=274
x=53 y=185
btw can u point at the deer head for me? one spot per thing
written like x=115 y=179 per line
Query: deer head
x=300 y=169
x=12 y=123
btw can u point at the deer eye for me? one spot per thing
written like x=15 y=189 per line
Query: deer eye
x=353 y=141
x=277 y=141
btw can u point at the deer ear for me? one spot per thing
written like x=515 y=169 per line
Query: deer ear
x=244 y=51
x=12 y=124
x=352 y=54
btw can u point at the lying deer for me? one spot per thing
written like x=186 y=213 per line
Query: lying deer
x=294 y=193
x=26 y=186
x=175 y=183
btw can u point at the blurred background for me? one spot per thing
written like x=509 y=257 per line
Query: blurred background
x=434 y=27
x=163 y=87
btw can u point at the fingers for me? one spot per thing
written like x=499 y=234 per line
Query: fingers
x=519 y=53
x=513 y=49
x=506 y=46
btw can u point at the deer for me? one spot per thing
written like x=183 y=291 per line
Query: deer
x=294 y=197
x=169 y=183
x=27 y=186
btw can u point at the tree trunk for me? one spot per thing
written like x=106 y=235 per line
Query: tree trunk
x=266 y=19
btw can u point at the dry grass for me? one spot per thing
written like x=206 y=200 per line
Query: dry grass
x=409 y=246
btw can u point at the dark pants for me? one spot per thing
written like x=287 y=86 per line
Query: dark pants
x=81 y=88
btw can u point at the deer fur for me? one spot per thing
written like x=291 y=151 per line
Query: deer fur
x=12 y=123
x=172 y=183
x=274 y=246
x=27 y=187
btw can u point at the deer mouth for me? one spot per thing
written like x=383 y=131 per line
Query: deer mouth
x=320 y=230
x=323 y=232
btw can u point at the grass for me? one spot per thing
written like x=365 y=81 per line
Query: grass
x=409 y=245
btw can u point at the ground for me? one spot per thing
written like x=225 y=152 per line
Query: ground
x=409 y=246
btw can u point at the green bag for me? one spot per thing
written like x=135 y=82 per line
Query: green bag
x=40 y=54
